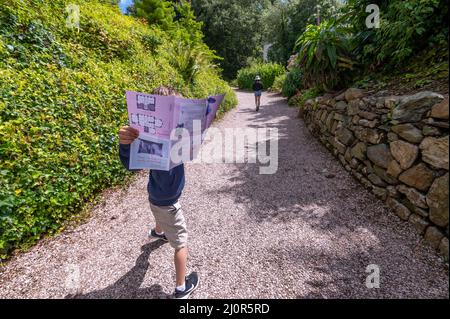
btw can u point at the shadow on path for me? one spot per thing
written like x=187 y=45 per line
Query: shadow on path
x=349 y=226
x=128 y=286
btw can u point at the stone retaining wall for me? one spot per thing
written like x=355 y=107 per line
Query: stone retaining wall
x=396 y=146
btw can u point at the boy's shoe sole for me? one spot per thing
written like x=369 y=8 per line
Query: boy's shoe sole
x=153 y=234
x=193 y=280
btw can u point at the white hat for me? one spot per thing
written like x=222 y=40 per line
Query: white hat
x=257 y=78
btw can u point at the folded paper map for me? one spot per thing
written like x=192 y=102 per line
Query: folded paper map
x=164 y=122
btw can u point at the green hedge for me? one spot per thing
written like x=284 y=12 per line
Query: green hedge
x=267 y=71
x=278 y=83
x=292 y=83
x=301 y=97
x=62 y=100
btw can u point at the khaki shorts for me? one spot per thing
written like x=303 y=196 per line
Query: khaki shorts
x=172 y=222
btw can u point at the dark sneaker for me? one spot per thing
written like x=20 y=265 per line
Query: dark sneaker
x=192 y=282
x=155 y=235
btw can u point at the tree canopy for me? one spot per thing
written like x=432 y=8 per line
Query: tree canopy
x=234 y=29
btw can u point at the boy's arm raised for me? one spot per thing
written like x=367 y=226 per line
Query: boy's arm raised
x=127 y=135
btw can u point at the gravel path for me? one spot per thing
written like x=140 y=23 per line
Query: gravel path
x=300 y=233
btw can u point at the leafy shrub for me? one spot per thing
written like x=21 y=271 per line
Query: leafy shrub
x=406 y=27
x=159 y=12
x=324 y=55
x=293 y=82
x=234 y=83
x=267 y=71
x=62 y=101
x=278 y=83
x=190 y=60
x=301 y=97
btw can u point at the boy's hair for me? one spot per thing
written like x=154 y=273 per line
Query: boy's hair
x=166 y=91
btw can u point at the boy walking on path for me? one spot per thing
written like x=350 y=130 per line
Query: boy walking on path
x=165 y=188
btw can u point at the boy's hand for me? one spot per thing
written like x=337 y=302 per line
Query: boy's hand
x=127 y=135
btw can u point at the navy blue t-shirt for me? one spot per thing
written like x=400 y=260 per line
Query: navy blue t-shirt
x=164 y=187
x=257 y=86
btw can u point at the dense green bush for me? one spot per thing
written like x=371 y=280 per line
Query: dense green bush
x=277 y=85
x=285 y=20
x=407 y=27
x=293 y=82
x=324 y=55
x=267 y=71
x=62 y=100
x=301 y=97
x=342 y=48
x=154 y=11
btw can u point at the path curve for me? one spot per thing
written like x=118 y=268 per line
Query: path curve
x=295 y=234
